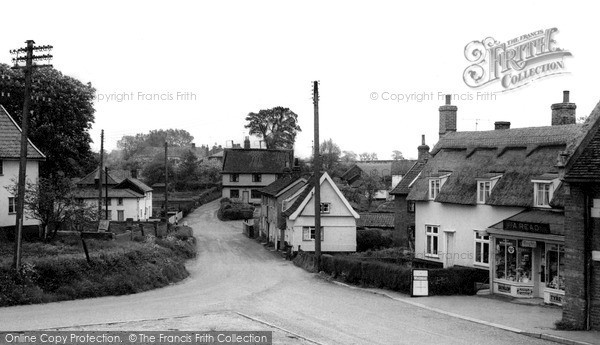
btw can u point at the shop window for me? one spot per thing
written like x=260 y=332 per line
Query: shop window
x=308 y=233
x=513 y=262
x=543 y=194
x=482 y=249
x=555 y=266
x=483 y=191
x=234 y=193
x=434 y=188
x=432 y=233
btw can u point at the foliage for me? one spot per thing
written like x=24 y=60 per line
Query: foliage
x=365 y=156
x=210 y=171
x=154 y=171
x=372 y=239
x=349 y=157
x=62 y=115
x=397 y=155
x=234 y=210
x=369 y=186
x=330 y=155
x=134 y=144
x=276 y=126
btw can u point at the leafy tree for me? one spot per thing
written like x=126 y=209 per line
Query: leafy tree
x=187 y=171
x=62 y=115
x=173 y=137
x=276 y=126
x=348 y=157
x=369 y=186
x=330 y=154
x=210 y=171
x=154 y=172
x=365 y=156
x=397 y=155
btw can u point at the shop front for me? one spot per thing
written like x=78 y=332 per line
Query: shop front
x=527 y=256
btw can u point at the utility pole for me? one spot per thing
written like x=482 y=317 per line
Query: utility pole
x=100 y=168
x=29 y=60
x=166 y=186
x=106 y=193
x=317 y=177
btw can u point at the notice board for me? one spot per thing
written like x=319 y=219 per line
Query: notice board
x=420 y=282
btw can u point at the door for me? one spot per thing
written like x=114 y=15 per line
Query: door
x=539 y=264
x=245 y=196
x=449 y=252
x=120 y=216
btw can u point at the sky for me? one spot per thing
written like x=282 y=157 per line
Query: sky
x=383 y=66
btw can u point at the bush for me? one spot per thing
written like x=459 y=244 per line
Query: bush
x=235 y=211
x=372 y=239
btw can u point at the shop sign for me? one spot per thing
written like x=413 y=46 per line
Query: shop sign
x=524 y=291
x=556 y=298
x=538 y=228
x=528 y=244
x=503 y=288
x=420 y=282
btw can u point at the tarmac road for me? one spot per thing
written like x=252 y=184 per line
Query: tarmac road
x=236 y=284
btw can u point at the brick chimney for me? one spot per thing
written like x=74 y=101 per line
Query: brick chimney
x=134 y=173
x=447 y=117
x=563 y=113
x=247 y=143
x=423 y=150
x=501 y=125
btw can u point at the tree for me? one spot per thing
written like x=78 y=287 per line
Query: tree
x=62 y=115
x=365 y=156
x=187 y=171
x=209 y=171
x=154 y=172
x=173 y=137
x=397 y=155
x=276 y=126
x=369 y=186
x=330 y=155
x=348 y=157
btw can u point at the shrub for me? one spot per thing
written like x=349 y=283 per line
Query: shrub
x=372 y=239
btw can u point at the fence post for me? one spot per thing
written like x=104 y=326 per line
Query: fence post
x=85 y=249
x=156 y=229
x=142 y=228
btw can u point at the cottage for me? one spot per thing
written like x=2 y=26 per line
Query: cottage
x=10 y=149
x=272 y=222
x=493 y=200
x=338 y=218
x=127 y=197
x=578 y=264
x=247 y=170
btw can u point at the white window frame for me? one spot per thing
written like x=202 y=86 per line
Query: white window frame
x=308 y=233
x=536 y=191
x=484 y=189
x=434 y=187
x=256 y=178
x=432 y=237
x=483 y=240
x=234 y=177
x=325 y=207
x=12 y=202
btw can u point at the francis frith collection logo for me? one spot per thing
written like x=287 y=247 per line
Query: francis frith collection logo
x=515 y=62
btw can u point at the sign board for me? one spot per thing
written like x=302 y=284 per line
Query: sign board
x=504 y=288
x=420 y=282
x=537 y=228
x=528 y=243
x=103 y=225
x=556 y=298
x=521 y=291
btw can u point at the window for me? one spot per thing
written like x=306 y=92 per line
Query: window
x=234 y=193
x=434 y=188
x=542 y=194
x=12 y=206
x=432 y=240
x=255 y=194
x=482 y=249
x=513 y=261
x=120 y=215
x=410 y=206
x=234 y=177
x=483 y=191
x=325 y=207
x=555 y=263
x=256 y=177
x=308 y=233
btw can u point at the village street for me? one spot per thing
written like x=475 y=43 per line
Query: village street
x=236 y=284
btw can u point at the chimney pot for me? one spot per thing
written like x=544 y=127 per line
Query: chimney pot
x=566 y=96
x=563 y=113
x=447 y=117
x=501 y=125
x=448 y=99
x=423 y=150
x=423 y=139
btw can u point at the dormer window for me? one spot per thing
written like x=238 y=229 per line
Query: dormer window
x=483 y=191
x=434 y=188
x=542 y=194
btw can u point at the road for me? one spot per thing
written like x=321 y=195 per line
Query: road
x=236 y=284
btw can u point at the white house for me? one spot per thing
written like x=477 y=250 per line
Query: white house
x=127 y=198
x=493 y=200
x=247 y=170
x=10 y=143
x=338 y=219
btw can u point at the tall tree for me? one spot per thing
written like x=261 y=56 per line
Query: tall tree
x=365 y=156
x=397 y=155
x=348 y=157
x=62 y=115
x=276 y=126
x=154 y=172
x=330 y=155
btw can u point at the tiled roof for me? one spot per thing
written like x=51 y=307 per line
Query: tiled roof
x=278 y=185
x=137 y=184
x=375 y=220
x=90 y=179
x=90 y=193
x=307 y=189
x=10 y=139
x=585 y=164
x=249 y=161
x=520 y=154
x=402 y=186
x=387 y=207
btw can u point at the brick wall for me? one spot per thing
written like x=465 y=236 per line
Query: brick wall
x=402 y=220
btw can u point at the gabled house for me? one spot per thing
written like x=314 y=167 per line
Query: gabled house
x=272 y=222
x=493 y=200
x=246 y=171
x=10 y=153
x=127 y=197
x=404 y=210
x=338 y=218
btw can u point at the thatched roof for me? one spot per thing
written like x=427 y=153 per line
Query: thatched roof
x=256 y=161
x=519 y=154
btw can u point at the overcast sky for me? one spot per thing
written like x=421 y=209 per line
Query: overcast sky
x=236 y=57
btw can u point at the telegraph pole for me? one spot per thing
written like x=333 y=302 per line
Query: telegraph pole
x=100 y=168
x=106 y=192
x=166 y=186
x=29 y=60
x=317 y=177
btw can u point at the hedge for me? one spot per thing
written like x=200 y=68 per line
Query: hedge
x=372 y=239
x=234 y=210
x=442 y=281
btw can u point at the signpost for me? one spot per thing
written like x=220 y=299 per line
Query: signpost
x=420 y=283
